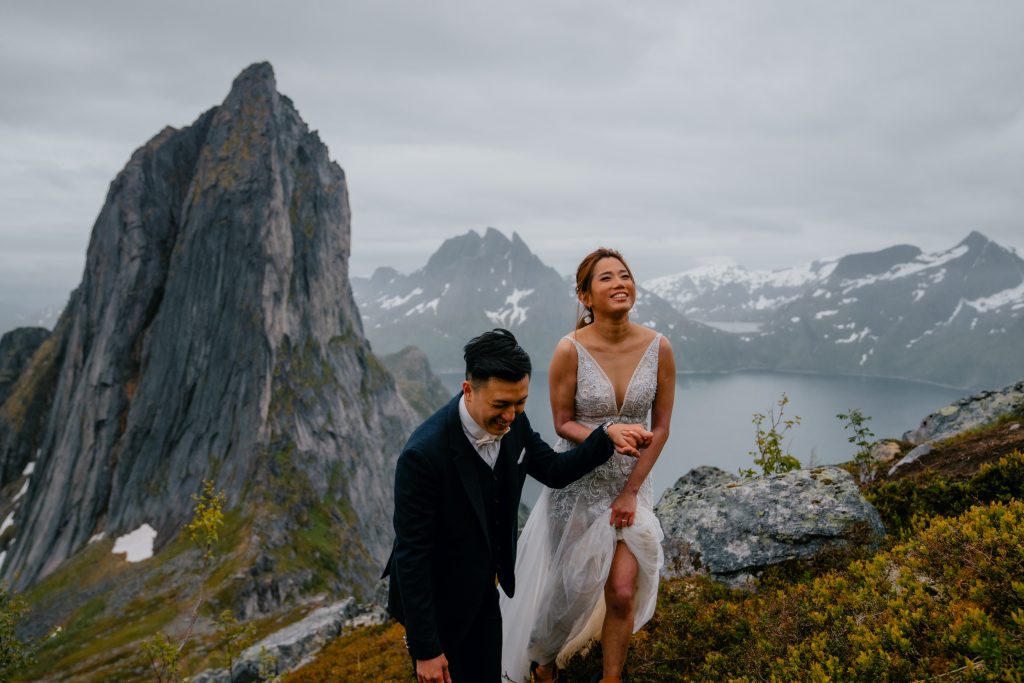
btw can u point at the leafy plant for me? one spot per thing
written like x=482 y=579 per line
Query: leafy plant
x=862 y=437
x=770 y=455
x=235 y=636
x=204 y=530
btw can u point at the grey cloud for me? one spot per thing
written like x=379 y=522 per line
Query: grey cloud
x=768 y=133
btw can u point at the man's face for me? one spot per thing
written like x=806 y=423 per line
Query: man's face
x=495 y=403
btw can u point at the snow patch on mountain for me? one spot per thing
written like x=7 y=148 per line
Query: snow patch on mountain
x=137 y=545
x=423 y=306
x=903 y=270
x=511 y=313
x=1014 y=295
x=400 y=300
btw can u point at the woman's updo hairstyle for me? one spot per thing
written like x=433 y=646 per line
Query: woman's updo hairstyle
x=585 y=275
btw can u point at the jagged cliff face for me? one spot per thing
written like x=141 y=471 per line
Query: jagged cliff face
x=214 y=335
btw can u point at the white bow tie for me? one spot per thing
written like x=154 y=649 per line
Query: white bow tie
x=490 y=438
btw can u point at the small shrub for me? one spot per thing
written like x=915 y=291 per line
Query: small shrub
x=904 y=504
x=861 y=437
x=770 y=455
x=207 y=519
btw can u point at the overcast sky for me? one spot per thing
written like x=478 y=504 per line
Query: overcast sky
x=682 y=133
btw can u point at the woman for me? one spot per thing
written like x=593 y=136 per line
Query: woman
x=590 y=553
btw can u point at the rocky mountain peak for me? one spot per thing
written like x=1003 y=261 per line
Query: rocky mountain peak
x=975 y=241
x=214 y=335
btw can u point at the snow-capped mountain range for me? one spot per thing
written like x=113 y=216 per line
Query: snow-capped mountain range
x=954 y=317
x=731 y=293
x=477 y=282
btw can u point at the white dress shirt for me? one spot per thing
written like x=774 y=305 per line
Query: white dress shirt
x=483 y=442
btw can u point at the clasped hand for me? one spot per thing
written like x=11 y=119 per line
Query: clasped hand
x=629 y=438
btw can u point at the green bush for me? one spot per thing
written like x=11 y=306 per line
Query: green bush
x=945 y=605
x=903 y=504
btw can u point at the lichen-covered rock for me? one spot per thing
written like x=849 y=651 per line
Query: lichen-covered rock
x=732 y=528
x=293 y=645
x=914 y=454
x=967 y=413
x=884 y=452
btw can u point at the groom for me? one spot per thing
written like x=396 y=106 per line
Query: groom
x=457 y=488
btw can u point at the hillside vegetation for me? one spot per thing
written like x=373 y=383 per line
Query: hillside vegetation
x=944 y=600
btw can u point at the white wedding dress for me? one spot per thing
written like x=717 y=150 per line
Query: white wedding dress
x=565 y=551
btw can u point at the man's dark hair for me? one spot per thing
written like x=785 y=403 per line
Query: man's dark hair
x=496 y=354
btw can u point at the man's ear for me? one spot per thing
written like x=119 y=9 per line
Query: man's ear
x=467 y=389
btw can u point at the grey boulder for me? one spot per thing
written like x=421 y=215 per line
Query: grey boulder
x=967 y=413
x=731 y=529
x=294 y=645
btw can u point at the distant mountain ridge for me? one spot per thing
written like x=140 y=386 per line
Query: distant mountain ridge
x=953 y=317
x=476 y=282
x=950 y=317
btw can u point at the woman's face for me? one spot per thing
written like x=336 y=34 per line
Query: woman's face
x=611 y=288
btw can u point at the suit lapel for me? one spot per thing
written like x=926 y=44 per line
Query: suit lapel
x=463 y=456
x=508 y=461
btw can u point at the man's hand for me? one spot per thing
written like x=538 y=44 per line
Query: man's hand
x=433 y=670
x=629 y=439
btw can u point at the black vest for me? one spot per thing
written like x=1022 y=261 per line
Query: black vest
x=491 y=489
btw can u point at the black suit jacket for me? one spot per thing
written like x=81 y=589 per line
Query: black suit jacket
x=444 y=558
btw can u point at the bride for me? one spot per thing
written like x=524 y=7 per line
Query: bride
x=590 y=554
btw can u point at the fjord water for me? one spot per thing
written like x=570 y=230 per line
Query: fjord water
x=711 y=420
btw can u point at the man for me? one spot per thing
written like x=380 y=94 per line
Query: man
x=457 y=488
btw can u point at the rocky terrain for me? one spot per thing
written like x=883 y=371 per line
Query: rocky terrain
x=731 y=528
x=214 y=336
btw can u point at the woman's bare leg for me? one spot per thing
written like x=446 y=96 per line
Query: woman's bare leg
x=619 y=598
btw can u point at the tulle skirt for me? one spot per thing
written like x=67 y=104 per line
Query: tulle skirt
x=564 y=558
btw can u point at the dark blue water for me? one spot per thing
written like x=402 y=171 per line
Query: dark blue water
x=711 y=420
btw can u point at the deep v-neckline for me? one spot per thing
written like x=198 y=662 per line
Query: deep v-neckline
x=607 y=379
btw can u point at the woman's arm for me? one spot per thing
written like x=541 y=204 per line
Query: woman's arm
x=562 y=387
x=624 y=506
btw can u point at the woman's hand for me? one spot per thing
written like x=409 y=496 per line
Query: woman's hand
x=629 y=439
x=623 y=510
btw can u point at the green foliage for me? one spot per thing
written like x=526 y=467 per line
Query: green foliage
x=945 y=605
x=770 y=455
x=235 y=636
x=905 y=504
x=861 y=437
x=207 y=519
x=268 y=667
x=375 y=653
x=15 y=653
x=204 y=530
x=164 y=658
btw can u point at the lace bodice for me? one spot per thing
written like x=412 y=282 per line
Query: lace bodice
x=595 y=395
x=595 y=403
